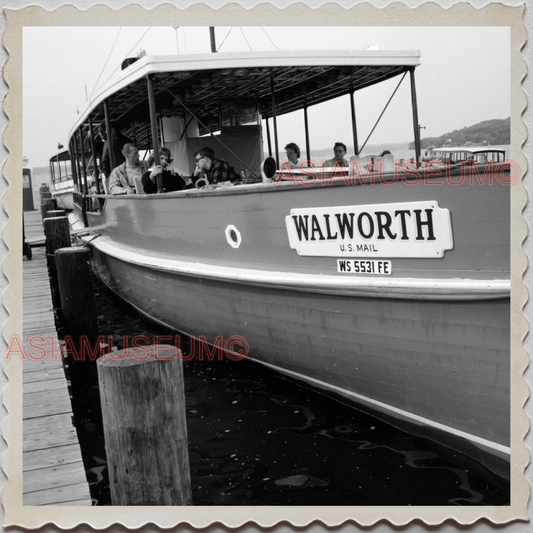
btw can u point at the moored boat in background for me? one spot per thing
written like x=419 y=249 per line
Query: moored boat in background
x=61 y=180
x=387 y=283
x=456 y=155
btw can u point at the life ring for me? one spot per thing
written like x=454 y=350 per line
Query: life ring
x=201 y=182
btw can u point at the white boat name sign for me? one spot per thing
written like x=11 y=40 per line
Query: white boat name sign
x=407 y=229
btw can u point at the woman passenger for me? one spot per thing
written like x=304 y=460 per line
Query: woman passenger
x=293 y=154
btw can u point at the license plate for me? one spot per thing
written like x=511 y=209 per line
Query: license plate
x=364 y=266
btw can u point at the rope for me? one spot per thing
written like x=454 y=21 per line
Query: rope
x=384 y=109
x=242 y=31
x=132 y=48
x=107 y=60
x=227 y=35
x=264 y=31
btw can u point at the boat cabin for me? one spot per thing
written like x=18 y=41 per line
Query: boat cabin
x=229 y=102
x=61 y=178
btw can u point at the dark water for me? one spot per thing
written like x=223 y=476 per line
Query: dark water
x=256 y=438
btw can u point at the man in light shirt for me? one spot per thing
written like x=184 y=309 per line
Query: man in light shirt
x=122 y=178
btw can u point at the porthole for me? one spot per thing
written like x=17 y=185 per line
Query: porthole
x=233 y=236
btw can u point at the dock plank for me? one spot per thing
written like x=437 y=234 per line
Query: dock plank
x=45 y=409
x=66 y=495
x=53 y=470
x=49 y=457
x=46 y=439
x=35 y=481
x=59 y=423
x=39 y=386
x=53 y=395
x=30 y=377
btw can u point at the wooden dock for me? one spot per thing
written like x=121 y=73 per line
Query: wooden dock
x=53 y=471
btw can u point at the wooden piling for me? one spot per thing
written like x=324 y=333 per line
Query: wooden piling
x=56 y=213
x=78 y=307
x=81 y=345
x=57 y=235
x=145 y=429
x=47 y=205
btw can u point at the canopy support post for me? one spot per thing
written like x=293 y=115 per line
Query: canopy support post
x=212 y=39
x=153 y=123
x=307 y=144
x=354 y=123
x=96 y=171
x=268 y=138
x=415 y=115
x=83 y=162
x=275 y=120
x=73 y=159
x=108 y=139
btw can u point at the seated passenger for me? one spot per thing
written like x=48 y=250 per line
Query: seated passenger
x=216 y=170
x=122 y=178
x=340 y=151
x=293 y=154
x=172 y=181
x=118 y=141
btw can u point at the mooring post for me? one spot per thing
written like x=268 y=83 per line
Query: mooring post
x=44 y=192
x=56 y=213
x=57 y=235
x=81 y=345
x=77 y=291
x=47 y=205
x=145 y=428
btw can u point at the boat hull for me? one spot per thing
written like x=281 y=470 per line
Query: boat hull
x=441 y=363
x=429 y=343
x=64 y=199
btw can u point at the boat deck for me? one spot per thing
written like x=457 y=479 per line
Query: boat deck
x=53 y=470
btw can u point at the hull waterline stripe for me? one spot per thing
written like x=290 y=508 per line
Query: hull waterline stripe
x=404 y=288
x=321 y=384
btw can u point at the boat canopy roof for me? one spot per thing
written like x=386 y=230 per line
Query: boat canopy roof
x=61 y=155
x=201 y=82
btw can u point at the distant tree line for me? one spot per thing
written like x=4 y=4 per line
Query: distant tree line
x=490 y=132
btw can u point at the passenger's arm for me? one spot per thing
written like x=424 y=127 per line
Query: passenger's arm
x=149 y=186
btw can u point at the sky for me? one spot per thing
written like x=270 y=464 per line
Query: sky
x=463 y=79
